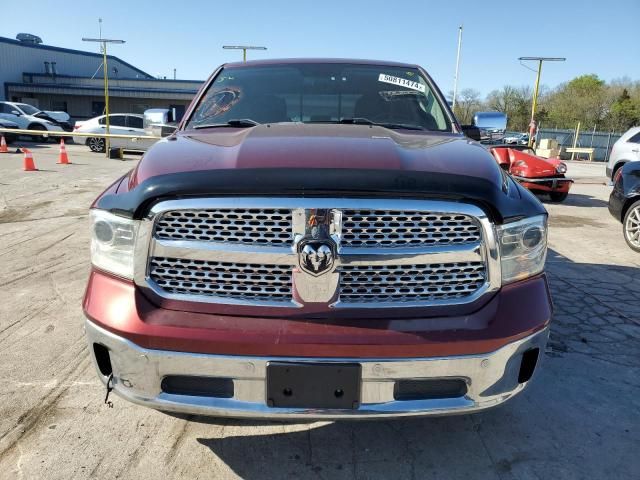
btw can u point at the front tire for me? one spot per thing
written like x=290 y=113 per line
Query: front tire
x=558 y=196
x=96 y=144
x=38 y=138
x=631 y=227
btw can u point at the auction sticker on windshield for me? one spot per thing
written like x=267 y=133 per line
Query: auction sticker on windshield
x=403 y=82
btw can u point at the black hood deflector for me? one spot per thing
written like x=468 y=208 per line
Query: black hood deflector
x=501 y=206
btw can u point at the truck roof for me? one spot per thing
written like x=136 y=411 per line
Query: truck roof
x=285 y=61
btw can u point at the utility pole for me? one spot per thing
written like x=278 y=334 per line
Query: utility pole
x=243 y=48
x=534 y=103
x=455 y=78
x=105 y=71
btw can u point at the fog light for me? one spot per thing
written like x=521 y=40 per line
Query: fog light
x=528 y=364
x=103 y=359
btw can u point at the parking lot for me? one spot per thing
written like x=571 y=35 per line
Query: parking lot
x=580 y=418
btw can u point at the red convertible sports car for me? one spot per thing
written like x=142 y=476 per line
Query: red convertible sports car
x=538 y=174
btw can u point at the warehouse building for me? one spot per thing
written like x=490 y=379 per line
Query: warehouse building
x=62 y=79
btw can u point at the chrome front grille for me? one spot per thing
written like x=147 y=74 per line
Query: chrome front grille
x=244 y=281
x=263 y=226
x=398 y=228
x=410 y=283
x=250 y=252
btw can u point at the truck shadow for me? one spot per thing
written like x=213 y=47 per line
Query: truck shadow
x=595 y=332
x=404 y=448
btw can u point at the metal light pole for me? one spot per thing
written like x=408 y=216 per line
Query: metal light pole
x=534 y=103
x=243 y=48
x=455 y=78
x=105 y=70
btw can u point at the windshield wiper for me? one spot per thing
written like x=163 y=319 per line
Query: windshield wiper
x=236 y=122
x=392 y=126
x=357 y=121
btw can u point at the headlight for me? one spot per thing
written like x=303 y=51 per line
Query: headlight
x=561 y=168
x=523 y=248
x=113 y=240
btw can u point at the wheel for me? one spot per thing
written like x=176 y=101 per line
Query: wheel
x=631 y=226
x=96 y=144
x=38 y=138
x=558 y=196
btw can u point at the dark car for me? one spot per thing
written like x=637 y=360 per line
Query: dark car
x=318 y=239
x=624 y=202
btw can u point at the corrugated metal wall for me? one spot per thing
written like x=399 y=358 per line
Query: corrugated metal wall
x=114 y=81
x=23 y=77
x=15 y=59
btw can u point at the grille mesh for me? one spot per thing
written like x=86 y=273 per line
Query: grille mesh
x=241 y=281
x=385 y=281
x=410 y=283
x=251 y=225
x=397 y=228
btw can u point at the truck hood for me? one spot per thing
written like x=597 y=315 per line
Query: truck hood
x=319 y=159
x=317 y=146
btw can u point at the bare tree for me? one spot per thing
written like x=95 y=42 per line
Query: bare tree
x=515 y=102
x=467 y=104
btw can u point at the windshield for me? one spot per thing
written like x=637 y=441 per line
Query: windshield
x=27 y=109
x=322 y=93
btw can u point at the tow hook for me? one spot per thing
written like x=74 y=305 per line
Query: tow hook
x=108 y=402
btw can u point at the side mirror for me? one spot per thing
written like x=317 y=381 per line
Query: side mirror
x=163 y=130
x=160 y=121
x=492 y=126
x=16 y=113
x=472 y=132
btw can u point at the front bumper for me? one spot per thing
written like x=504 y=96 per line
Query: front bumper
x=559 y=184
x=54 y=128
x=616 y=203
x=491 y=379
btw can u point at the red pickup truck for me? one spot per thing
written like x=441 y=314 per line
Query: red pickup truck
x=318 y=239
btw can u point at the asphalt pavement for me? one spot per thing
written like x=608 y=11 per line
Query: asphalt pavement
x=579 y=419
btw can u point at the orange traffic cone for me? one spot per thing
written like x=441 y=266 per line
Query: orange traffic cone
x=64 y=158
x=3 y=145
x=29 y=166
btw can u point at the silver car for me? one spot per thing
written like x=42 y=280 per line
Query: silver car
x=626 y=149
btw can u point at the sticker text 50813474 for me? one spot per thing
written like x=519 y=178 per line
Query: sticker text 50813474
x=403 y=82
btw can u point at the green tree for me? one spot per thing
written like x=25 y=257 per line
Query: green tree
x=583 y=99
x=625 y=112
x=515 y=102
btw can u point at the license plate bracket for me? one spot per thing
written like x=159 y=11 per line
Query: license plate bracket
x=313 y=385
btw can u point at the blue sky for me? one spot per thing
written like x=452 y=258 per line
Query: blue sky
x=596 y=37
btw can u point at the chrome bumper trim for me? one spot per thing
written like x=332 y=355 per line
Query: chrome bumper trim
x=543 y=180
x=137 y=373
